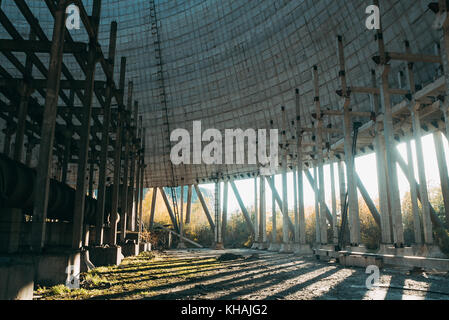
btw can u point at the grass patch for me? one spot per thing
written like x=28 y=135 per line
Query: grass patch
x=136 y=278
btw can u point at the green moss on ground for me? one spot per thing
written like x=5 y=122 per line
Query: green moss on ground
x=133 y=279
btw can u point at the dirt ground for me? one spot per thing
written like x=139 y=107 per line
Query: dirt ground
x=254 y=275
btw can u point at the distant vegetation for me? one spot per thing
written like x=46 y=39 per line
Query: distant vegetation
x=237 y=234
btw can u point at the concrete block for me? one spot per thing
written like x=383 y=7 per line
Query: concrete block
x=130 y=249
x=274 y=247
x=286 y=248
x=105 y=256
x=144 y=246
x=57 y=268
x=302 y=249
x=16 y=279
x=360 y=260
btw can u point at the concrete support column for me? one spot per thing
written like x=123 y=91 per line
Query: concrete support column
x=153 y=206
x=343 y=196
x=142 y=177
x=115 y=217
x=262 y=216
x=181 y=244
x=189 y=202
x=125 y=182
x=274 y=245
x=217 y=209
x=224 y=215
x=136 y=208
x=320 y=158
x=132 y=216
x=256 y=217
x=285 y=246
x=102 y=175
x=413 y=194
x=353 y=212
x=390 y=147
x=295 y=206
x=427 y=223
x=80 y=194
x=442 y=167
x=25 y=92
x=334 y=204
x=317 y=206
x=382 y=178
x=48 y=128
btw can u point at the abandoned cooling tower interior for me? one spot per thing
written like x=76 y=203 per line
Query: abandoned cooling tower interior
x=224 y=150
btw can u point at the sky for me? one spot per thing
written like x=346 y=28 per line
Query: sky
x=365 y=167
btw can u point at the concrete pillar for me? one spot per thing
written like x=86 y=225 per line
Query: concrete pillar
x=285 y=246
x=25 y=92
x=442 y=167
x=390 y=147
x=262 y=216
x=320 y=158
x=224 y=215
x=142 y=177
x=127 y=141
x=427 y=224
x=295 y=206
x=80 y=194
x=132 y=178
x=274 y=245
x=317 y=206
x=102 y=174
x=153 y=206
x=334 y=204
x=47 y=134
x=189 y=202
x=382 y=178
x=117 y=157
x=136 y=208
x=353 y=212
x=217 y=209
x=181 y=244
x=256 y=217
x=413 y=194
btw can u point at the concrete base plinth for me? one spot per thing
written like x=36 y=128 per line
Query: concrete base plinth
x=255 y=246
x=274 y=247
x=262 y=246
x=416 y=250
x=218 y=246
x=286 y=248
x=58 y=268
x=16 y=279
x=302 y=249
x=431 y=251
x=360 y=260
x=105 y=256
x=182 y=245
x=144 y=246
x=130 y=249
